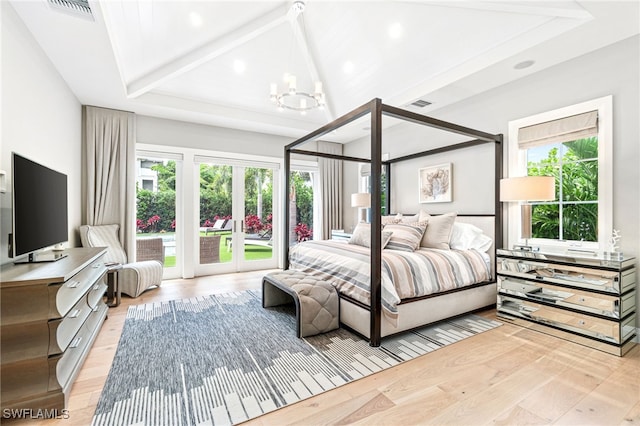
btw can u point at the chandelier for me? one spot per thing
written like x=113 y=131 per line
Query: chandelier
x=291 y=98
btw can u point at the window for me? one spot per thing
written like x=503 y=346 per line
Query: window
x=147 y=184
x=305 y=192
x=365 y=186
x=574 y=145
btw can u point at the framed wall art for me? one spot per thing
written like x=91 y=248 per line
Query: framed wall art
x=435 y=184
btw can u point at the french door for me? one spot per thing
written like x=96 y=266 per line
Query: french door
x=236 y=215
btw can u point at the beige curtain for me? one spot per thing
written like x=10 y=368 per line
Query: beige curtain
x=330 y=171
x=556 y=131
x=109 y=171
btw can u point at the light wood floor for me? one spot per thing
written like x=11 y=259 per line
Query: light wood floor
x=507 y=376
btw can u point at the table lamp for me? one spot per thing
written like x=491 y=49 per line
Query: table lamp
x=524 y=189
x=361 y=200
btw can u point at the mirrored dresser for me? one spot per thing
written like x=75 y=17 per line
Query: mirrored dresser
x=589 y=300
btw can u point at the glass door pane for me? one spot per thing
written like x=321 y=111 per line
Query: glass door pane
x=258 y=219
x=215 y=218
x=156 y=208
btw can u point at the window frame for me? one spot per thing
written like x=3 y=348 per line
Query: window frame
x=517 y=166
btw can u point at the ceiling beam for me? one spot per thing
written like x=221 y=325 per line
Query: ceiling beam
x=309 y=59
x=554 y=10
x=207 y=52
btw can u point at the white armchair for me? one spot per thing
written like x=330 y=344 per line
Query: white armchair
x=134 y=278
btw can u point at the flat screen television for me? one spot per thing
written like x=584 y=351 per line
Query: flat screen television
x=40 y=217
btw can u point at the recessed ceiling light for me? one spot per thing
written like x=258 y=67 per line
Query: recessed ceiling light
x=348 y=67
x=239 y=66
x=395 y=30
x=524 y=64
x=196 y=20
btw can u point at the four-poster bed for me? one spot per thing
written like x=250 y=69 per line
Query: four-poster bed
x=367 y=318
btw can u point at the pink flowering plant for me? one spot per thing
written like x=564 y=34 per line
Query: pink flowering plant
x=303 y=232
x=253 y=224
x=152 y=223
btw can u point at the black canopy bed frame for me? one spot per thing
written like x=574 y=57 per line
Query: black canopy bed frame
x=377 y=109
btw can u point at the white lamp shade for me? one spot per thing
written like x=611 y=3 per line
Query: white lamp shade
x=528 y=188
x=361 y=199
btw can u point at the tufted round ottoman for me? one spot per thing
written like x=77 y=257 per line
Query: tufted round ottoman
x=316 y=301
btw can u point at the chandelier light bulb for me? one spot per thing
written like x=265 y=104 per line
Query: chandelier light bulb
x=292 y=84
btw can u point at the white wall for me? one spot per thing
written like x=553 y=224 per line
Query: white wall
x=614 y=70
x=159 y=131
x=41 y=119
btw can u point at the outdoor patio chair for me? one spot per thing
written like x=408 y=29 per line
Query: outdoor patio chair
x=210 y=249
x=150 y=249
x=220 y=225
x=134 y=278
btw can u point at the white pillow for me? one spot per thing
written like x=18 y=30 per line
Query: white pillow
x=465 y=236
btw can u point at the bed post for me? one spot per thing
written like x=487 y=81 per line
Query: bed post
x=287 y=195
x=387 y=188
x=498 y=231
x=376 y=223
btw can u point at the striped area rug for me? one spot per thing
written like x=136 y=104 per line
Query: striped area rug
x=223 y=359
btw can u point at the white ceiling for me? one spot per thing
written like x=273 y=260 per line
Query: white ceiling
x=176 y=59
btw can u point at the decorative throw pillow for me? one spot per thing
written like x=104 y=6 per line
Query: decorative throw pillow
x=406 y=236
x=362 y=236
x=438 y=232
x=394 y=218
x=409 y=219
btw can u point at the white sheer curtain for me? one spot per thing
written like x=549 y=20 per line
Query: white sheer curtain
x=330 y=171
x=109 y=171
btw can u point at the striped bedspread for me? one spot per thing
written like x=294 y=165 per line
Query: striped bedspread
x=404 y=274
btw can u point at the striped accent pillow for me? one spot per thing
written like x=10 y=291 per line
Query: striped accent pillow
x=405 y=236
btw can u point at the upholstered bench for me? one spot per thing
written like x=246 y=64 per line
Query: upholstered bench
x=316 y=301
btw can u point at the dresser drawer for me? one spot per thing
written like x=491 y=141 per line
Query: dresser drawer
x=62 y=331
x=96 y=294
x=77 y=350
x=601 y=304
x=67 y=294
x=574 y=276
x=599 y=328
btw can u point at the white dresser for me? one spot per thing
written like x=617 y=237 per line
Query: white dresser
x=50 y=315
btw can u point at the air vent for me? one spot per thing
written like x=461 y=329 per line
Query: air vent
x=77 y=7
x=420 y=103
